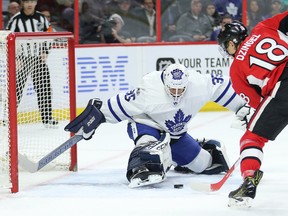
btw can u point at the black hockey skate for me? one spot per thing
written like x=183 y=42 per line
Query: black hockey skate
x=142 y=176
x=243 y=196
x=50 y=123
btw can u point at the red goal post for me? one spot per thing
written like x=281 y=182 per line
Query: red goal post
x=37 y=100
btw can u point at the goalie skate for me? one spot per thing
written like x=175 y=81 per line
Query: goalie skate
x=144 y=177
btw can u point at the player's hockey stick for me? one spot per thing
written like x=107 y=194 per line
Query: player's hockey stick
x=206 y=187
x=32 y=167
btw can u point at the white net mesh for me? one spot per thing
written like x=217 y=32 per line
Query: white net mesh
x=4 y=135
x=43 y=110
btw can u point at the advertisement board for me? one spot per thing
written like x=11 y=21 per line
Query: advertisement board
x=105 y=71
x=202 y=58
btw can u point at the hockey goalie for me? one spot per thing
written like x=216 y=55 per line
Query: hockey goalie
x=158 y=113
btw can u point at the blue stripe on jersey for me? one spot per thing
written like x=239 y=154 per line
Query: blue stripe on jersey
x=113 y=113
x=121 y=107
x=231 y=98
x=223 y=93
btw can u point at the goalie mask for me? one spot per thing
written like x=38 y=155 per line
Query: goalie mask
x=175 y=79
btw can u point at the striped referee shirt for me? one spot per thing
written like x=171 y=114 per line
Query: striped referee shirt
x=36 y=22
x=28 y=23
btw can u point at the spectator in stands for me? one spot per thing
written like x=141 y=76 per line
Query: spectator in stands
x=227 y=18
x=55 y=7
x=13 y=8
x=113 y=4
x=107 y=6
x=184 y=5
x=97 y=8
x=91 y=17
x=254 y=14
x=111 y=31
x=67 y=18
x=232 y=7
x=276 y=8
x=212 y=13
x=146 y=22
x=46 y=12
x=124 y=9
x=194 y=23
x=138 y=3
x=265 y=6
x=170 y=12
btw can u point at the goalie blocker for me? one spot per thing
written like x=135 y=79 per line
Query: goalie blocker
x=89 y=120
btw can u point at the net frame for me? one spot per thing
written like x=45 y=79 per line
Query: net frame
x=12 y=98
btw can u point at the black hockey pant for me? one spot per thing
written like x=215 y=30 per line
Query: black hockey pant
x=41 y=82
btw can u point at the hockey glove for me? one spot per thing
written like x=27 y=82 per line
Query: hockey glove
x=242 y=118
x=88 y=120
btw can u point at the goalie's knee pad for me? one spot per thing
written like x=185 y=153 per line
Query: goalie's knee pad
x=151 y=157
x=220 y=162
x=200 y=162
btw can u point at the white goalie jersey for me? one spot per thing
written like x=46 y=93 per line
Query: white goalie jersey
x=150 y=104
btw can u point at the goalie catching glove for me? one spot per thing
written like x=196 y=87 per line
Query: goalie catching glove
x=242 y=118
x=88 y=120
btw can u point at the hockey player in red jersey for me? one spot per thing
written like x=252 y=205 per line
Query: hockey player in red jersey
x=259 y=73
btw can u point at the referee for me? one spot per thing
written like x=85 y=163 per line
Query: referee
x=33 y=61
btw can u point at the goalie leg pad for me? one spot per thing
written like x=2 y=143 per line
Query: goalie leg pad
x=135 y=162
x=220 y=162
x=212 y=159
x=149 y=162
x=160 y=149
x=88 y=120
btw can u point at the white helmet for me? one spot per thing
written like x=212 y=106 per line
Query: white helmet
x=175 y=79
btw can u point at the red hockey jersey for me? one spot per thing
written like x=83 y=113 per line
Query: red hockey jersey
x=260 y=59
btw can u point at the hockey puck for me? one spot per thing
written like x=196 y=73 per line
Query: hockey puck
x=178 y=186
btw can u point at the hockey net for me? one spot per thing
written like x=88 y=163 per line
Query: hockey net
x=37 y=100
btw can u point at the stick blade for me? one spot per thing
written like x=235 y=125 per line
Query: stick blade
x=201 y=186
x=206 y=187
x=26 y=164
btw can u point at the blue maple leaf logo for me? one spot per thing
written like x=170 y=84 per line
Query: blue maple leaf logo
x=179 y=122
x=177 y=74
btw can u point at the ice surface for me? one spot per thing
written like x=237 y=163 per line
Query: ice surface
x=100 y=186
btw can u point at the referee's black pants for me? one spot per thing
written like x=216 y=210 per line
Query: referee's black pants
x=40 y=75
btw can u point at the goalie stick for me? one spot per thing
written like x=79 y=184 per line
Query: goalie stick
x=206 y=187
x=32 y=167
